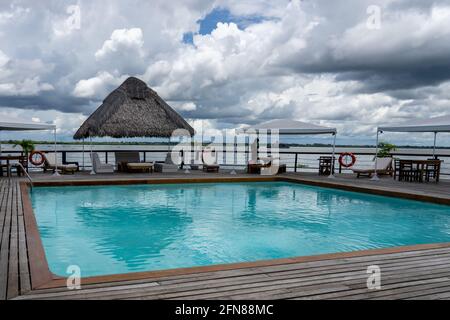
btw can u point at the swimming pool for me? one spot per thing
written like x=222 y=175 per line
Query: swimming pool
x=121 y=229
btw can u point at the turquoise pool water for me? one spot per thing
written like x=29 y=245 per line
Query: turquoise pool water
x=120 y=229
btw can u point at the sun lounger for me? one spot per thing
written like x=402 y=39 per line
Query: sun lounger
x=384 y=166
x=167 y=166
x=100 y=167
x=50 y=163
x=272 y=167
x=209 y=157
x=130 y=161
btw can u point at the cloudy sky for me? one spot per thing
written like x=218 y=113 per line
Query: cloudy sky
x=352 y=64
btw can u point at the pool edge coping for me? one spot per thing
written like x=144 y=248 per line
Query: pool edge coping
x=43 y=278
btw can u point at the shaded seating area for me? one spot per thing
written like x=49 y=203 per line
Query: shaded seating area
x=134 y=110
x=418 y=170
x=279 y=127
x=19 y=163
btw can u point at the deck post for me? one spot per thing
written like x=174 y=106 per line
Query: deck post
x=375 y=175
x=331 y=176
x=56 y=173
x=295 y=163
x=92 y=159
x=434 y=145
x=82 y=161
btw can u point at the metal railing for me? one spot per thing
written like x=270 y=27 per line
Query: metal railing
x=296 y=161
x=25 y=171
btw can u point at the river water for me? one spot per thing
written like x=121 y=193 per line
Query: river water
x=307 y=159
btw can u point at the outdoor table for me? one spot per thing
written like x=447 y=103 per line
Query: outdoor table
x=8 y=159
x=419 y=168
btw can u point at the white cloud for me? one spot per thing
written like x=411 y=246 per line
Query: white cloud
x=404 y=36
x=96 y=86
x=66 y=123
x=13 y=13
x=3 y=58
x=307 y=60
x=187 y=106
x=122 y=40
x=27 y=87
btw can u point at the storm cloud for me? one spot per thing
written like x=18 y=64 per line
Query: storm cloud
x=351 y=64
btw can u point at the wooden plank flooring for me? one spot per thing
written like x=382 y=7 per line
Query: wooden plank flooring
x=419 y=274
x=405 y=275
x=14 y=270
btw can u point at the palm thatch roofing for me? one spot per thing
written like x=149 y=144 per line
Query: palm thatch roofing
x=133 y=110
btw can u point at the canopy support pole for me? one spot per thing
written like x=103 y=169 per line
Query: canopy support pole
x=375 y=175
x=92 y=158
x=56 y=173
x=82 y=161
x=331 y=176
x=257 y=147
x=434 y=145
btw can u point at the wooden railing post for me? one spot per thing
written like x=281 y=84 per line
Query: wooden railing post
x=296 y=159
x=224 y=149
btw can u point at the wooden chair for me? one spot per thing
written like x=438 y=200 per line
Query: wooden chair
x=3 y=166
x=326 y=165
x=407 y=172
x=396 y=168
x=432 y=170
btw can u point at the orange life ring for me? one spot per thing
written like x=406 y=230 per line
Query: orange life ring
x=347 y=159
x=37 y=158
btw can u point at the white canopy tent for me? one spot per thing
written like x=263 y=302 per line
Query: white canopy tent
x=434 y=125
x=291 y=127
x=14 y=126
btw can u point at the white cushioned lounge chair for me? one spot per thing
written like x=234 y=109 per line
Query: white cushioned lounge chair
x=100 y=167
x=384 y=166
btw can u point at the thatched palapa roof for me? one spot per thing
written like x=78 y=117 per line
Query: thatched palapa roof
x=133 y=110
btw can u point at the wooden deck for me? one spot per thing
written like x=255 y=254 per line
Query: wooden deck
x=418 y=272
x=14 y=269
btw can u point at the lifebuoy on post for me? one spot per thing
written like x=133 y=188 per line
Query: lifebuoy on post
x=36 y=158
x=347 y=159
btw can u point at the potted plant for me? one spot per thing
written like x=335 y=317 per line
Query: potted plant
x=27 y=147
x=385 y=149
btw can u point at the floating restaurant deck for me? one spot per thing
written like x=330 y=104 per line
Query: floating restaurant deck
x=414 y=272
